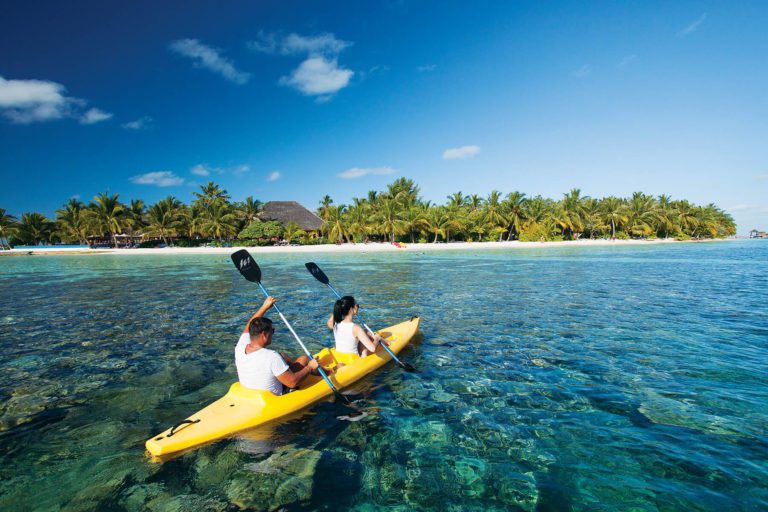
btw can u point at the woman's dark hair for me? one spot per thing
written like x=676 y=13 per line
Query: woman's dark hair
x=342 y=307
x=259 y=325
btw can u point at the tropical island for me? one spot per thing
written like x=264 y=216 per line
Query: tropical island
x=395 y=215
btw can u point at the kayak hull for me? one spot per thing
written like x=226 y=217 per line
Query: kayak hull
x=243 y=408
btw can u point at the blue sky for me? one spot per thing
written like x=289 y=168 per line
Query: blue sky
x=295 y=100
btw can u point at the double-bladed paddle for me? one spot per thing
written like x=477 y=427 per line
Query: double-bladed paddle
x=320 y=276
x=251 y=271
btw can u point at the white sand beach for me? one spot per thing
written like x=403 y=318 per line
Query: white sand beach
x=344 y=248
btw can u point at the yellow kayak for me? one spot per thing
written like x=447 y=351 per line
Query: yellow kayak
x=243 y=408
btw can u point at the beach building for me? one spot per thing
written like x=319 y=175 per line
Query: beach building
x=291 y=211
x=758 y=234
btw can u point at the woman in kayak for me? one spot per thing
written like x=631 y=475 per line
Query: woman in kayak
x=350 y=337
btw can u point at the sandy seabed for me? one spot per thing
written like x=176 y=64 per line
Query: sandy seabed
x=343 y=248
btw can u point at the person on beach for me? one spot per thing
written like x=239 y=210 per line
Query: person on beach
x=350 y=337
x=261 y=368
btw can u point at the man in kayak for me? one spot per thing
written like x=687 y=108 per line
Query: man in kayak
x=261 y=368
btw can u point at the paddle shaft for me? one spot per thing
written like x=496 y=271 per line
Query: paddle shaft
x=288 y=325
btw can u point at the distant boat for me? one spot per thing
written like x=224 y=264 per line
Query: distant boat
x=758 y=234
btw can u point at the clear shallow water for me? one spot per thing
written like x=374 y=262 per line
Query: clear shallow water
x=554 y=379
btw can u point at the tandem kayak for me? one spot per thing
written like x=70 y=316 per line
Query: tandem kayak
x=242 y=408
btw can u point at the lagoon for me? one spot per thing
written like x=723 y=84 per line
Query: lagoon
x=568 y=378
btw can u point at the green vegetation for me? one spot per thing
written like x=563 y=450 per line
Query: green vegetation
x=397 y=214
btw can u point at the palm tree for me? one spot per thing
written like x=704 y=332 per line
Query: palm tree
x=357 y=218
x=164 y=218
x=569 y=214
x=512 y=207
x=388 y=214
x=538 y=213
x=412 y=219
x=592 y=217
x=686 y=217
x=475 y=202
x=72 y=222
x=35 y=228
x=135 y=215
x=666 y=216
x=108 y=215
x=437 y=222
x=457 y=200
x=292 y=230
x=220 y=221
x=492 y=214
x=641 y=215
x=403 y=190
x=614 y=212
x=211 y=193
x=191 y=220
x=325 y=204
x=334 y=224
x=8 y=227
x=249 y=210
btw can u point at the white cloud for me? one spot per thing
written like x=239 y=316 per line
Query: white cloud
x=693 y=27
x=426 y=69
x=200 y=170
x=158 y=178
x=359 y=172
x=209 y=58
x=94 y=115
x=318 y=76
x=462 y=152
x=273 y=176
x=29 y=101
x=140 y=124
x=295 y=44
x=762 y=177
x=740 y=208
x=583 y=71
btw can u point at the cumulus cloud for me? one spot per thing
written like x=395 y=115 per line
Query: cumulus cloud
x=200 y=170
x=359 y=172
x=207 y=57
x=30 y=101
x=158 y=178
x=583 y=71
x=693 y=27
x=318 y=76
x=94 y=115
x=273 y=176
x=462 y=152
x=295 y=44
x=142 y=123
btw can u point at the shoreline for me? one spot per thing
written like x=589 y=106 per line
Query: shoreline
x=348 y=248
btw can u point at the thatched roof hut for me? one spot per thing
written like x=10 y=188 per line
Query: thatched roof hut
x=287 y=211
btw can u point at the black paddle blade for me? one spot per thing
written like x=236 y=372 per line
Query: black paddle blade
x=315 y=271
x=407 y=367
x=246 y=265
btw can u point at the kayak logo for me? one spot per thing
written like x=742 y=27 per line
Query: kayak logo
x=245 y=263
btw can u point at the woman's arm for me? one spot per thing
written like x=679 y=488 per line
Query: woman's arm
x=330 y=322
x=268 y=303
x=363 y=337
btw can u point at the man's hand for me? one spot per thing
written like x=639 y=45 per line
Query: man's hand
x=268 y=303
x=313 y=364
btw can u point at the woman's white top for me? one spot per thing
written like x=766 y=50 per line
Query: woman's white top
x=260 y=368
x=346 y=342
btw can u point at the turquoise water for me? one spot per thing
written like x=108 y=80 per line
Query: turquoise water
x=620 y=378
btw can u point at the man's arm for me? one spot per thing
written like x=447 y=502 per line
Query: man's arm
x=292 y=379
x=268 y=303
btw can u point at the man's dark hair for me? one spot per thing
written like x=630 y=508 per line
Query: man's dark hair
x=259 y=325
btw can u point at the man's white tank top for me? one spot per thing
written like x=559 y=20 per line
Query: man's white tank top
x=346 y=343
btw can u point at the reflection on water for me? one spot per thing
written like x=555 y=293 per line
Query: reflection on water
x=574 y=378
